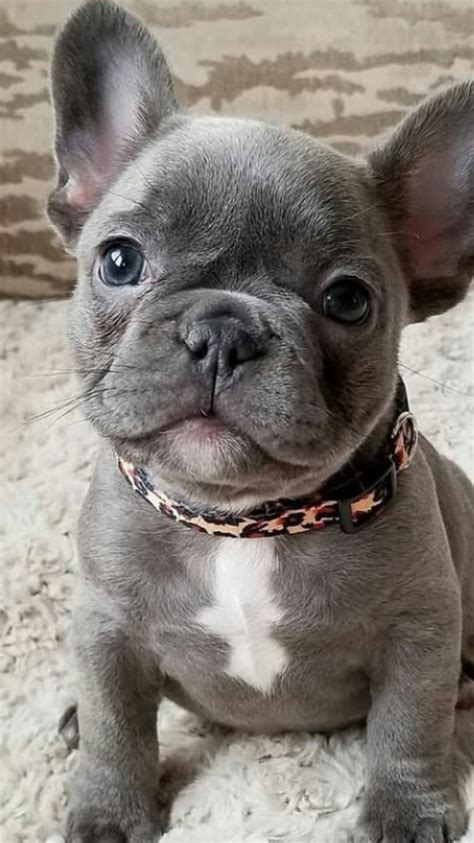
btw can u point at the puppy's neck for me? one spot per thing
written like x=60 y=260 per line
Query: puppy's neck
x=353 y=470
x=373 y=445
x=350 y=502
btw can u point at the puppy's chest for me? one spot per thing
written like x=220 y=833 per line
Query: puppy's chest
x=245 y=611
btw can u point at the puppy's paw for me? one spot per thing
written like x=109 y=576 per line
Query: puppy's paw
x=84 y=832
x=103 y=809
x=85 y=826
x=410 y=815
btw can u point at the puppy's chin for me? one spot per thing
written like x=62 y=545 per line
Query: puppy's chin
x=196 y=454
x=208 y=451
x=208 y=462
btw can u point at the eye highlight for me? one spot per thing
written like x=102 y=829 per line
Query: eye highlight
x=347 y=300
x=122 y=264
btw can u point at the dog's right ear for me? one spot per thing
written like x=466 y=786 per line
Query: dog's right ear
x=111 y=91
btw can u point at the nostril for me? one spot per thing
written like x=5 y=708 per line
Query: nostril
x=232 y=358
x=242 y=349
x=200 y=351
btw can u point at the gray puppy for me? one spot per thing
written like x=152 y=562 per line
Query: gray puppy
x=241 y=294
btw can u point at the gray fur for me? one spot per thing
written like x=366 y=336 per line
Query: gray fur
x=243 y=224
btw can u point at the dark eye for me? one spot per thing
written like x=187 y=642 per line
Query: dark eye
x=347 y=300
x=122 y=264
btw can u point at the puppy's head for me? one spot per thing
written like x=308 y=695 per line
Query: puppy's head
x=242 y=288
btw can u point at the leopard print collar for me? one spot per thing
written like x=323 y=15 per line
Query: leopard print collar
x=350 y=508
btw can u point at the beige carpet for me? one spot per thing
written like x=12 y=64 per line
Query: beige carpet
x=297 y=788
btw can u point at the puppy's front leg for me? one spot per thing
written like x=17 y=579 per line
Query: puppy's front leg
x=114 y=789
x=413 y=793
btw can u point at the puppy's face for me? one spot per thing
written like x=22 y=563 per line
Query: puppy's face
x=238 y=308
x=242 y=289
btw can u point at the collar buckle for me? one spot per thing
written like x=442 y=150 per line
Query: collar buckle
x=385 y=485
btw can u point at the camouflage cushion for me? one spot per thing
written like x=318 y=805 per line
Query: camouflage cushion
x=344 y=70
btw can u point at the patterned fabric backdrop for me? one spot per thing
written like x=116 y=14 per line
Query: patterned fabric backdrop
x=343 y=70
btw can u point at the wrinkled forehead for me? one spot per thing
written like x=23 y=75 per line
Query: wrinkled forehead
x=211 y=179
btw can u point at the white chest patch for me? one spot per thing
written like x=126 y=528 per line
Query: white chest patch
x=244 y=610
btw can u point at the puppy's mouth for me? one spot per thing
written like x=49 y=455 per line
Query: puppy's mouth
x=203 y=445
x=194 y=429
x=209 y=459
x=199 y=450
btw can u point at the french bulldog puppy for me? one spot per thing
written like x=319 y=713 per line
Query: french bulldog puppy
x=242 y=290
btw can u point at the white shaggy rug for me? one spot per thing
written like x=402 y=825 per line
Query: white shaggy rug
x=228 y=788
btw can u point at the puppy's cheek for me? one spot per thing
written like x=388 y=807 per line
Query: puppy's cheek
x=290 y=433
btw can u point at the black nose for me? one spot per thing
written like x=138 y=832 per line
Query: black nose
x=220 y=344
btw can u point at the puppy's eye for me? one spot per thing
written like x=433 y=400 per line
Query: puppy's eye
x=122 y=264
x=347 y=300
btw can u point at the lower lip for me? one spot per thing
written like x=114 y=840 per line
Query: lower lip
x=205 y=428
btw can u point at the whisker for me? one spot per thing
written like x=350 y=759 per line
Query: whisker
x=70 y=403
x=66 y=413
x=52 y=410
x=434 y=380
x=89 y=371
x=145 y=179
x=360 y=213
x=130 y=199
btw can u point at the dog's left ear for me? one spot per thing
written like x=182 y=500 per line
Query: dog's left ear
x=425 y=178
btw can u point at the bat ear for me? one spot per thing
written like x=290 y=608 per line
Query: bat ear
x=111 y=90
x=425 y=178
